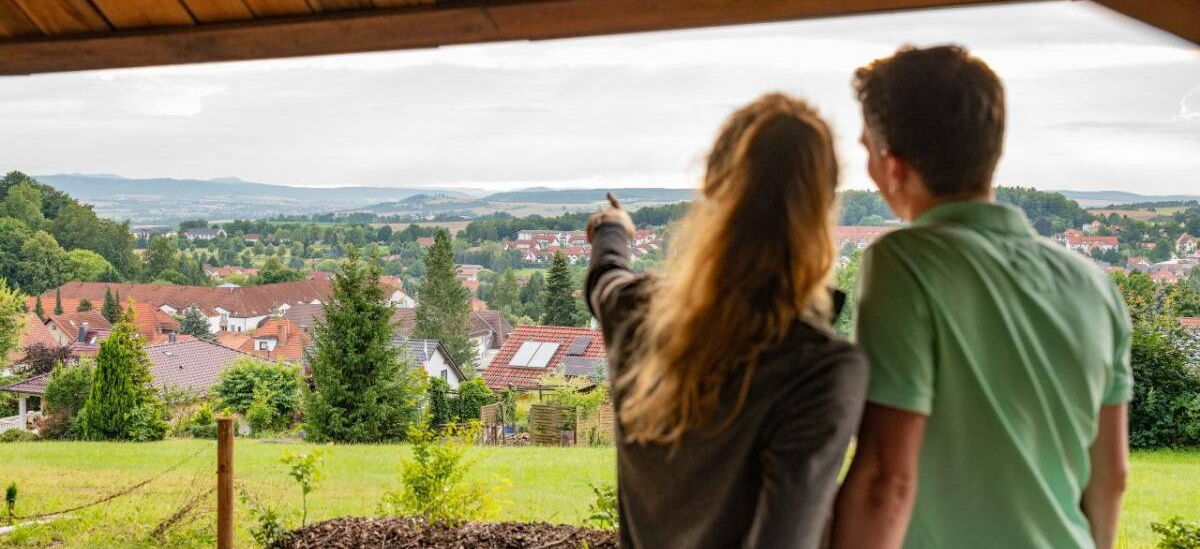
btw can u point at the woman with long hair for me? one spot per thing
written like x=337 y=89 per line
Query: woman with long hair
x=735 y=401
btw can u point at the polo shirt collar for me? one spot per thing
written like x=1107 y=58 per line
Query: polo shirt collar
x=988 y=216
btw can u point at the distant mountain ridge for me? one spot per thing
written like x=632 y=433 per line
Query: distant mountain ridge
x=89 y=186
x=545 y=195
x=1099 y=199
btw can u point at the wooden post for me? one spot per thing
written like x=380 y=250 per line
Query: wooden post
x=224 y=483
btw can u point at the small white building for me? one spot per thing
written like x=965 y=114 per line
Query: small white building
x=432 y=356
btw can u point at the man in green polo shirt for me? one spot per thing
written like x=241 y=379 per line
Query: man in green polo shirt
x=996 y=414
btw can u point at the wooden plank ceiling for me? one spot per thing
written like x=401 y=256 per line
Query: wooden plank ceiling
x=64 y=35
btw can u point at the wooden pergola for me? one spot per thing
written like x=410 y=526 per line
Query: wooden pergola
x=38 y=36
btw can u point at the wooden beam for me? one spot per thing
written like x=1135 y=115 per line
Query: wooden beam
x=135 y=14
x=416 y=27
x=64 y=16
x=14 y=23
x=278 y=8
x=1178 y=17
x=215 y=11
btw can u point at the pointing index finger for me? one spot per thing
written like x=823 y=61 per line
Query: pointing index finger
x=613 y=200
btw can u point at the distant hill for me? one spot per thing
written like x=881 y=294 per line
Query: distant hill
x=163 y=200
x=541 y=195
x=1100 y=199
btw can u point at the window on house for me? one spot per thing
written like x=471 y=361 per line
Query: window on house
x=262 y=345
x=445 y=375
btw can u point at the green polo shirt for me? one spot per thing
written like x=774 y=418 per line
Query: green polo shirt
x=1010 y=344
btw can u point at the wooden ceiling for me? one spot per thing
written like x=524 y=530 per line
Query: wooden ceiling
x=64 y=35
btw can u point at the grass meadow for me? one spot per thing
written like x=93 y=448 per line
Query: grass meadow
x=543 y=484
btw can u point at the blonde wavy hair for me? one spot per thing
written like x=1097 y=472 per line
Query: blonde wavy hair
x=751 y=258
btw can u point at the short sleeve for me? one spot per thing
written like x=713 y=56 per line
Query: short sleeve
x=1120 y=386
x=894 y=330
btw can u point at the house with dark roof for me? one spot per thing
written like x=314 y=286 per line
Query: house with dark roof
x=531 y=353
x=431 y=355
x=191 y=365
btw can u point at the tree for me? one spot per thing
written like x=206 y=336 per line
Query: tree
x=473 y=394
x=161 y=256
x=194 y=323
x=363 y=391
x=558 y=301
x=441 y=404
x=506 y=295
x=66 y=394
x=38 y=309
x=531 y=295
x=121 y=400
x=43 y=264
x=111 y=308
x=24 y=202
x=58 y=310
x=443 y=310
x=41 y=358
x=12 y=319
x=275 y=271
x=86 y=266
x=84 y=306
x=281 y=380
x=846 y=280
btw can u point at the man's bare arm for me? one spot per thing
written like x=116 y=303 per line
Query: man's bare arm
x=1110 y=468
x=875 y=503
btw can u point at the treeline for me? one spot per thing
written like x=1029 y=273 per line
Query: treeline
x=1050 y=213
x=47 y=238
x=503 y=226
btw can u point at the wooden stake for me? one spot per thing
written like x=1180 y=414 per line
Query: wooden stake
x=225 y=483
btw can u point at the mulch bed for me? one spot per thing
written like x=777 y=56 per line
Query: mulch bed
x=414 y=533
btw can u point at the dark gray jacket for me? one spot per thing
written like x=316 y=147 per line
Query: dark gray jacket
x=765 y=481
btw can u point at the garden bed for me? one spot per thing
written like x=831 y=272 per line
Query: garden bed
x=408 y=532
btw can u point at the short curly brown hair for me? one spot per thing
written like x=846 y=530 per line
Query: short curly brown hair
x=940 y=109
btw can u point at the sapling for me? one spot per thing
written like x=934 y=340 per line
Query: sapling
x=306 y=469
x=10 y=500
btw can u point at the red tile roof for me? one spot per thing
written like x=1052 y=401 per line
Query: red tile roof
x=32 y=332
x=243 y=302
x=194 y=365
x=69 y=323
x=291 y=340
x=499 y=375
x=1190 y=322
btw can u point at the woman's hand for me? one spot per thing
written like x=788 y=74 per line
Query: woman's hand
x=614 y=213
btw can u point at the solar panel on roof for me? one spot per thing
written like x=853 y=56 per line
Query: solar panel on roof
x=543 y=355
x=521 y=358
x=579 y=346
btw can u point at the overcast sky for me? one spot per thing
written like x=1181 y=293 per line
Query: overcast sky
x=1096 y=102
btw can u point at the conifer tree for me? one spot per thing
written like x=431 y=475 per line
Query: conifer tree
x=531 y=296
x=195 y=324
x=443 y=310
x=110 y=309
x=120 y=386
x=558 y=300
x=58 y=310
x=37 y=308
x=506 y=295
x=363 y=391
x=84 y=306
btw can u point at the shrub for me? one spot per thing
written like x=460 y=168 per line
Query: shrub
x=203 y=424
x=434 y=483
x=66 y=393
x=603 y=508
x=261 y=414
x=1165 y=410
x=268 y=526
x=238 y=382
x=147 y=422
x=473 y=394
x=1177 y=534
x=17 y=435
x=441 y=405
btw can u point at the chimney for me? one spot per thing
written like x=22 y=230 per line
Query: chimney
x=171 y=337
x=83 y=332
x=283 y=332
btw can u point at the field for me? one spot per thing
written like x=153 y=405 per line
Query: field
x=1141 y=215
x=547 y=484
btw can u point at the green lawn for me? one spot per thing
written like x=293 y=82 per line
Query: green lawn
x=548 y=484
